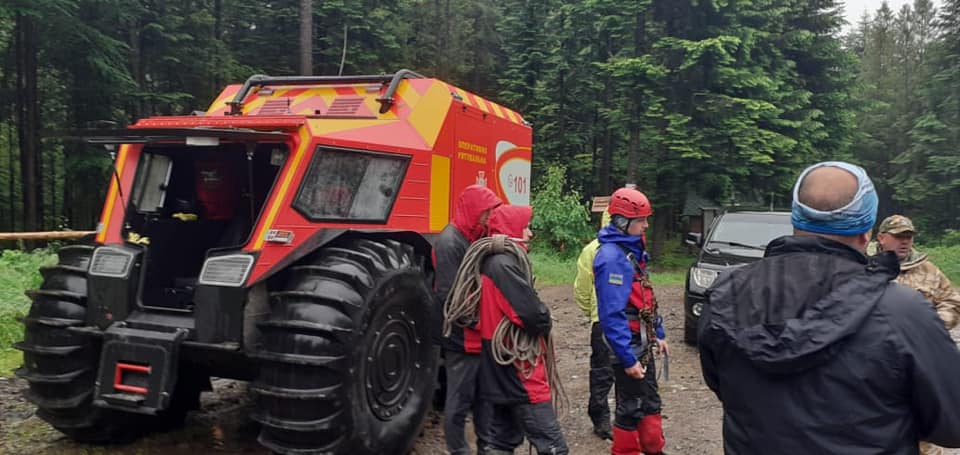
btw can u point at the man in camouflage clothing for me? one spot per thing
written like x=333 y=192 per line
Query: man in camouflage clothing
x=896 y=234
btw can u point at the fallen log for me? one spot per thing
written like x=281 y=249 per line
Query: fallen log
x=49 y=235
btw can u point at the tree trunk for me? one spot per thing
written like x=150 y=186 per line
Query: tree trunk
x=633 y=152
x=606 y=161
x=52 y=189
x=28 y=120
x=664 y=215
x=306 y=37
x=633 y=156
x=69 y=206
x=661 y=226
x=215 y=81
x=136 y=65
x=8 y=122
x=11 y=189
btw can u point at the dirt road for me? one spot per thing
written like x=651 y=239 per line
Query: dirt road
x=692 y=416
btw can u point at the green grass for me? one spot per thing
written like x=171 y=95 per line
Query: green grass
x=553 y=270
x=668 y=278
x=19 y=271
x=10 y=360
x=948 y=259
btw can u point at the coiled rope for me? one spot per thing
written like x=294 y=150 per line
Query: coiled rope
x=510 y=345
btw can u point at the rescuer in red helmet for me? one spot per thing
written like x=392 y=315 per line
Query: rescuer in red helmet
x=631 y=325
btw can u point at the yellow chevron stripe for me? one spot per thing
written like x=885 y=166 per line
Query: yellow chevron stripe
x=284 y=187
x=112 y=195
x=463 y=94
x=431 y=112
x=482 y=104
x=439 y=192
x=496 y=110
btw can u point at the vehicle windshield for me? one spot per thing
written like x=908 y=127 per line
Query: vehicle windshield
x=749 y=231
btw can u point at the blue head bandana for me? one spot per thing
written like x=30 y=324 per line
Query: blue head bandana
x=854 y=218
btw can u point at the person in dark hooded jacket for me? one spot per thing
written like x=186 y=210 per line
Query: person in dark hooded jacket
x=461 y=350
x=520 y=393
x=814 y=350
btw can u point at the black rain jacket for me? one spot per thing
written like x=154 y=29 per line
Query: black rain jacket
x=813 y=350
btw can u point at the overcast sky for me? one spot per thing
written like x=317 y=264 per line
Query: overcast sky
x=855 y=8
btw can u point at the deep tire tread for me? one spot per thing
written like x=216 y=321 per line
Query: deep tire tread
x=60 y=365
x=302 y=398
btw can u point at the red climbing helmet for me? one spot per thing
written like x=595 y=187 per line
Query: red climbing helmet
x=629 y=203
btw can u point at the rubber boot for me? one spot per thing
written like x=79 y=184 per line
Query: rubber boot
x=650 y=432
x=625 y=442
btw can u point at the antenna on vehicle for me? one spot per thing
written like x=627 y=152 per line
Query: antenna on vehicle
x=343 y=56
x=251 y=147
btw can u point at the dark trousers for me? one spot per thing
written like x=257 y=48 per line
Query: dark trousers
x=538 y=422
x=462 y=370
x=636 y=398
x=601 y=378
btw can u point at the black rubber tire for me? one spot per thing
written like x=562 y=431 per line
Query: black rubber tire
x=61 y=366
x=347 y=364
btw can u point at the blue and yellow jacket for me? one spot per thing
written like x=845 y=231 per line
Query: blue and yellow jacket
x=614 y=277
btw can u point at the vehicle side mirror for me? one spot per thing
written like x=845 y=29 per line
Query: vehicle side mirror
x=694 y=239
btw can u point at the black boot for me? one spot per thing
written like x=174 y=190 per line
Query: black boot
x=603 y=430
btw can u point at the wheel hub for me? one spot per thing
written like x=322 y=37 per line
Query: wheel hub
x=391 y=363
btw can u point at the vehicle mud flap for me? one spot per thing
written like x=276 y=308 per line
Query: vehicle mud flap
x=138 y=370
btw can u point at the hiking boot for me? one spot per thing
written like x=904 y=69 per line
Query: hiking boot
x=603 y=431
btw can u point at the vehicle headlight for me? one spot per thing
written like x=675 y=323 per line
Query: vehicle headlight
x=703 y=277
x=111 y=262
x=229 y=270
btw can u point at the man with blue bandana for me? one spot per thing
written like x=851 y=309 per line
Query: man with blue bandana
x=815 y=349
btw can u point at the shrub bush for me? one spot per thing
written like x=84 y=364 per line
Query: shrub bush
x=561 y=221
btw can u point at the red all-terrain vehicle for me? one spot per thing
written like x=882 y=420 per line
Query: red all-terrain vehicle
x=281 y=237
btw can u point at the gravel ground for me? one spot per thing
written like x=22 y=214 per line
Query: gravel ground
x=692 y=415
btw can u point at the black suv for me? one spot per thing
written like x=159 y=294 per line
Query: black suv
x=734 y=239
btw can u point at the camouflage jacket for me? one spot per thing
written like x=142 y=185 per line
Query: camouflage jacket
x=919 y=273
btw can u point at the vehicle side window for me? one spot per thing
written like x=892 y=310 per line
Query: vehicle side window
x=350 y=185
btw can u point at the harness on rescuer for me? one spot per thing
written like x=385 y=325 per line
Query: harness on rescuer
x=646 y=321
x=510 y=344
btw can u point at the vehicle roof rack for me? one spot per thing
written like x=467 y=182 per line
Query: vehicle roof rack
x=261 y=80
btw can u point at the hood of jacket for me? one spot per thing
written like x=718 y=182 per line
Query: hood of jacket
x=792 y=310
x=510 y=220
x=610 y=234
x=473 y=201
